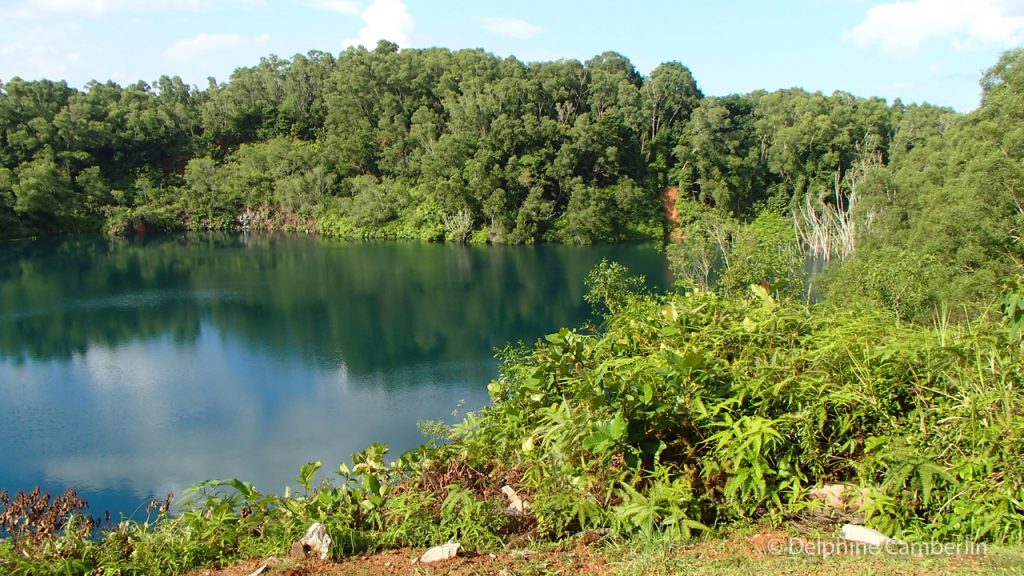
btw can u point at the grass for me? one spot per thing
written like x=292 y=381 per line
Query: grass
x=739 y=552
x=745 y=553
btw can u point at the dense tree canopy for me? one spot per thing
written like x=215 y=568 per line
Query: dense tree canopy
x=416 y=143
x=466 y=146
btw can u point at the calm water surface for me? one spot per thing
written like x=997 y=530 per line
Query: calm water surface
x=130 y=368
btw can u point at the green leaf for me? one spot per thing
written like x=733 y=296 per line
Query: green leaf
x=556 y=338
x=372 y=484
x=873 y=442
x=246 y=489
x=748 y=324
x=307 y=473
x=617 y=427
x=652 y=446
x=528 y=444
x=598 y=441
x=648 y=393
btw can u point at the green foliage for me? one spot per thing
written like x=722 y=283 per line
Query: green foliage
x=1013 y=309
x=764 y=252
x=698 y=410
x=696 y=258
x=950 y=196
x=907 y=284
x=681 y=414
x=124 y=220
x=469 y=147
x=41 y=189
x=562 y=511
x=610 y=285
x=666 y=506
x=716 y=251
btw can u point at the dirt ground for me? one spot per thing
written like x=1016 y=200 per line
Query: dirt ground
x=669 y=199
x=742 y=555
x=401 y=562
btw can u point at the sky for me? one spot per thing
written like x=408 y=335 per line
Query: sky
x=916 y=50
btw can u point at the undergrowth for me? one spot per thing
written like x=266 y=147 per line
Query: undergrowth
x=678 y=415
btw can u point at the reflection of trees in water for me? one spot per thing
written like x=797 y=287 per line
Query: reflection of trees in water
x=58 y=297
x=370 y=305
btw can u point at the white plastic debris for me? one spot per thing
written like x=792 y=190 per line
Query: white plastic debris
x=261 y=569
x=516 y=505
x=855 y=533
x=317 y=540
x=442 y=552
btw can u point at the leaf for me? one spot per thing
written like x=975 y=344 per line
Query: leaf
x=762 y=294
x=307 y=473
x=372 y=483
x=648 y=393
x=528 y=444
x=873 y=442
x=695 y=525
x=652 y=446
x=556 y=338
x=683 y=363
x=926 y=471
x=328 y=498
x=246 y=489
x=598 y=441
x=293 y=506
x=617 y=427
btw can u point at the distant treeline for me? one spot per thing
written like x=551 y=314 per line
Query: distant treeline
x=467 y=146
x=429 y=144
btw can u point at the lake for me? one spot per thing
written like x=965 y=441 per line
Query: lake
x=130 y=368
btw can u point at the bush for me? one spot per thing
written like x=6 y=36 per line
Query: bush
x=737 y=406
x=900 y=281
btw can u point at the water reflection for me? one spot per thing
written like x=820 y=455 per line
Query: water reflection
x=130 y=368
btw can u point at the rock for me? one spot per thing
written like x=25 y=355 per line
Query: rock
x=516 y=505
x=317 y=541
x=855 y=533
x=297 y=552
x=442 y=552
x=833 y=495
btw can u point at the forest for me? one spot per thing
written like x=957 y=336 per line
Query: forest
x=465 y=146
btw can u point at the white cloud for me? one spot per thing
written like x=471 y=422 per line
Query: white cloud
x=202 y=46
x=37 y=9
x=509 y=27
x=40 y=8
x=342 y=6
x=42 y=51
x=902 y=27
x=385 y=20
x=154 y=430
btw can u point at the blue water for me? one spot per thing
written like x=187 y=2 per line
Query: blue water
x=133 y=368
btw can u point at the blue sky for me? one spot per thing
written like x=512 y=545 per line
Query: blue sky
x=917 y=50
